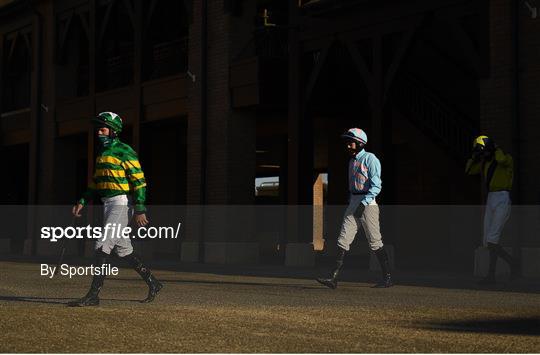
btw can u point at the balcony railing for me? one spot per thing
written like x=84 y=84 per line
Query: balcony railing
x=16 y=92
x=322 y=6
x=302 y=3
x=119 y=69
x=168 y=58
x=431 y=114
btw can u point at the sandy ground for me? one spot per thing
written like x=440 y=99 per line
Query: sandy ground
x=207 y=311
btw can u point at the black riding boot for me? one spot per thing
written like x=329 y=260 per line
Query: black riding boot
x=515 y=269
x=332 y=281
x=91 y=298
x=154 y=286
x=490 y=278
x=495 y=252
x=386 y=281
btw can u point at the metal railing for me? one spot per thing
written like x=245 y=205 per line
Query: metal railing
x=168 y=58
x=424 y=108
x=326 y=3
x=266 y=42
x=119 y=69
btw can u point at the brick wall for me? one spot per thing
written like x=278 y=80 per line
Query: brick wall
x=230 y=135
x=530 y=107
x=496 y=93
x=497 y=106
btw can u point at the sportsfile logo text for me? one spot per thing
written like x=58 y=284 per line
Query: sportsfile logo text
x=109 y=231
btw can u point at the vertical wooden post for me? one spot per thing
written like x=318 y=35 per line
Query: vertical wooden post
x=294 y=114
x=34 y=114
x=33 y=169
x=293 y=110
x=318 y=217
x=47 y=110
x=300 y=145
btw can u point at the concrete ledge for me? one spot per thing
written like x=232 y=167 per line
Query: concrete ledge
x=189 y=252
x=231 y=253
x=5 y=246
x=299 y=254
x=374 y=262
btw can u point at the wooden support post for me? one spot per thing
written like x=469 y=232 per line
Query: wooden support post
x=300 y=176
x=34 y=114
x=318 y=217
x=294 y=114
x=33 y=159
x=299 y=145
x=47 y=115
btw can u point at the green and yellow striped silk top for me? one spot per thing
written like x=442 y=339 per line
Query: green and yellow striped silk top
x=117 y=172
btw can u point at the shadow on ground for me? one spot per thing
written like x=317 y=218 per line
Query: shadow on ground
x=516 y=326
x=53 y=300
x=446 y=280
x=232 y=283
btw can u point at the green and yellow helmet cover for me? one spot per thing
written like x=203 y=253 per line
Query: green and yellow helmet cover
x=110 y=120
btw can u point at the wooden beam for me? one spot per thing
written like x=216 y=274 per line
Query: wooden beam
x=64 y=34
x=27 y=43
x=293 y=121
x=461 y=9
x=105 y=22
x=358 y=60
x=188 y=7
x=150 y=16
x=384 y=19
x=131 y=13
x=476 y=59
x=299 y=222
x=12 y=48
x=465 y=42
x=33 y=147
x=380 y=29
x=23 y=23
x=46 y=147
x=316 y=44
x=396 y=61
x=314 y=75
x=84 y=23
x=62 y=6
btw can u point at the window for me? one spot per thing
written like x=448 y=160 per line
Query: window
x=17 y=70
